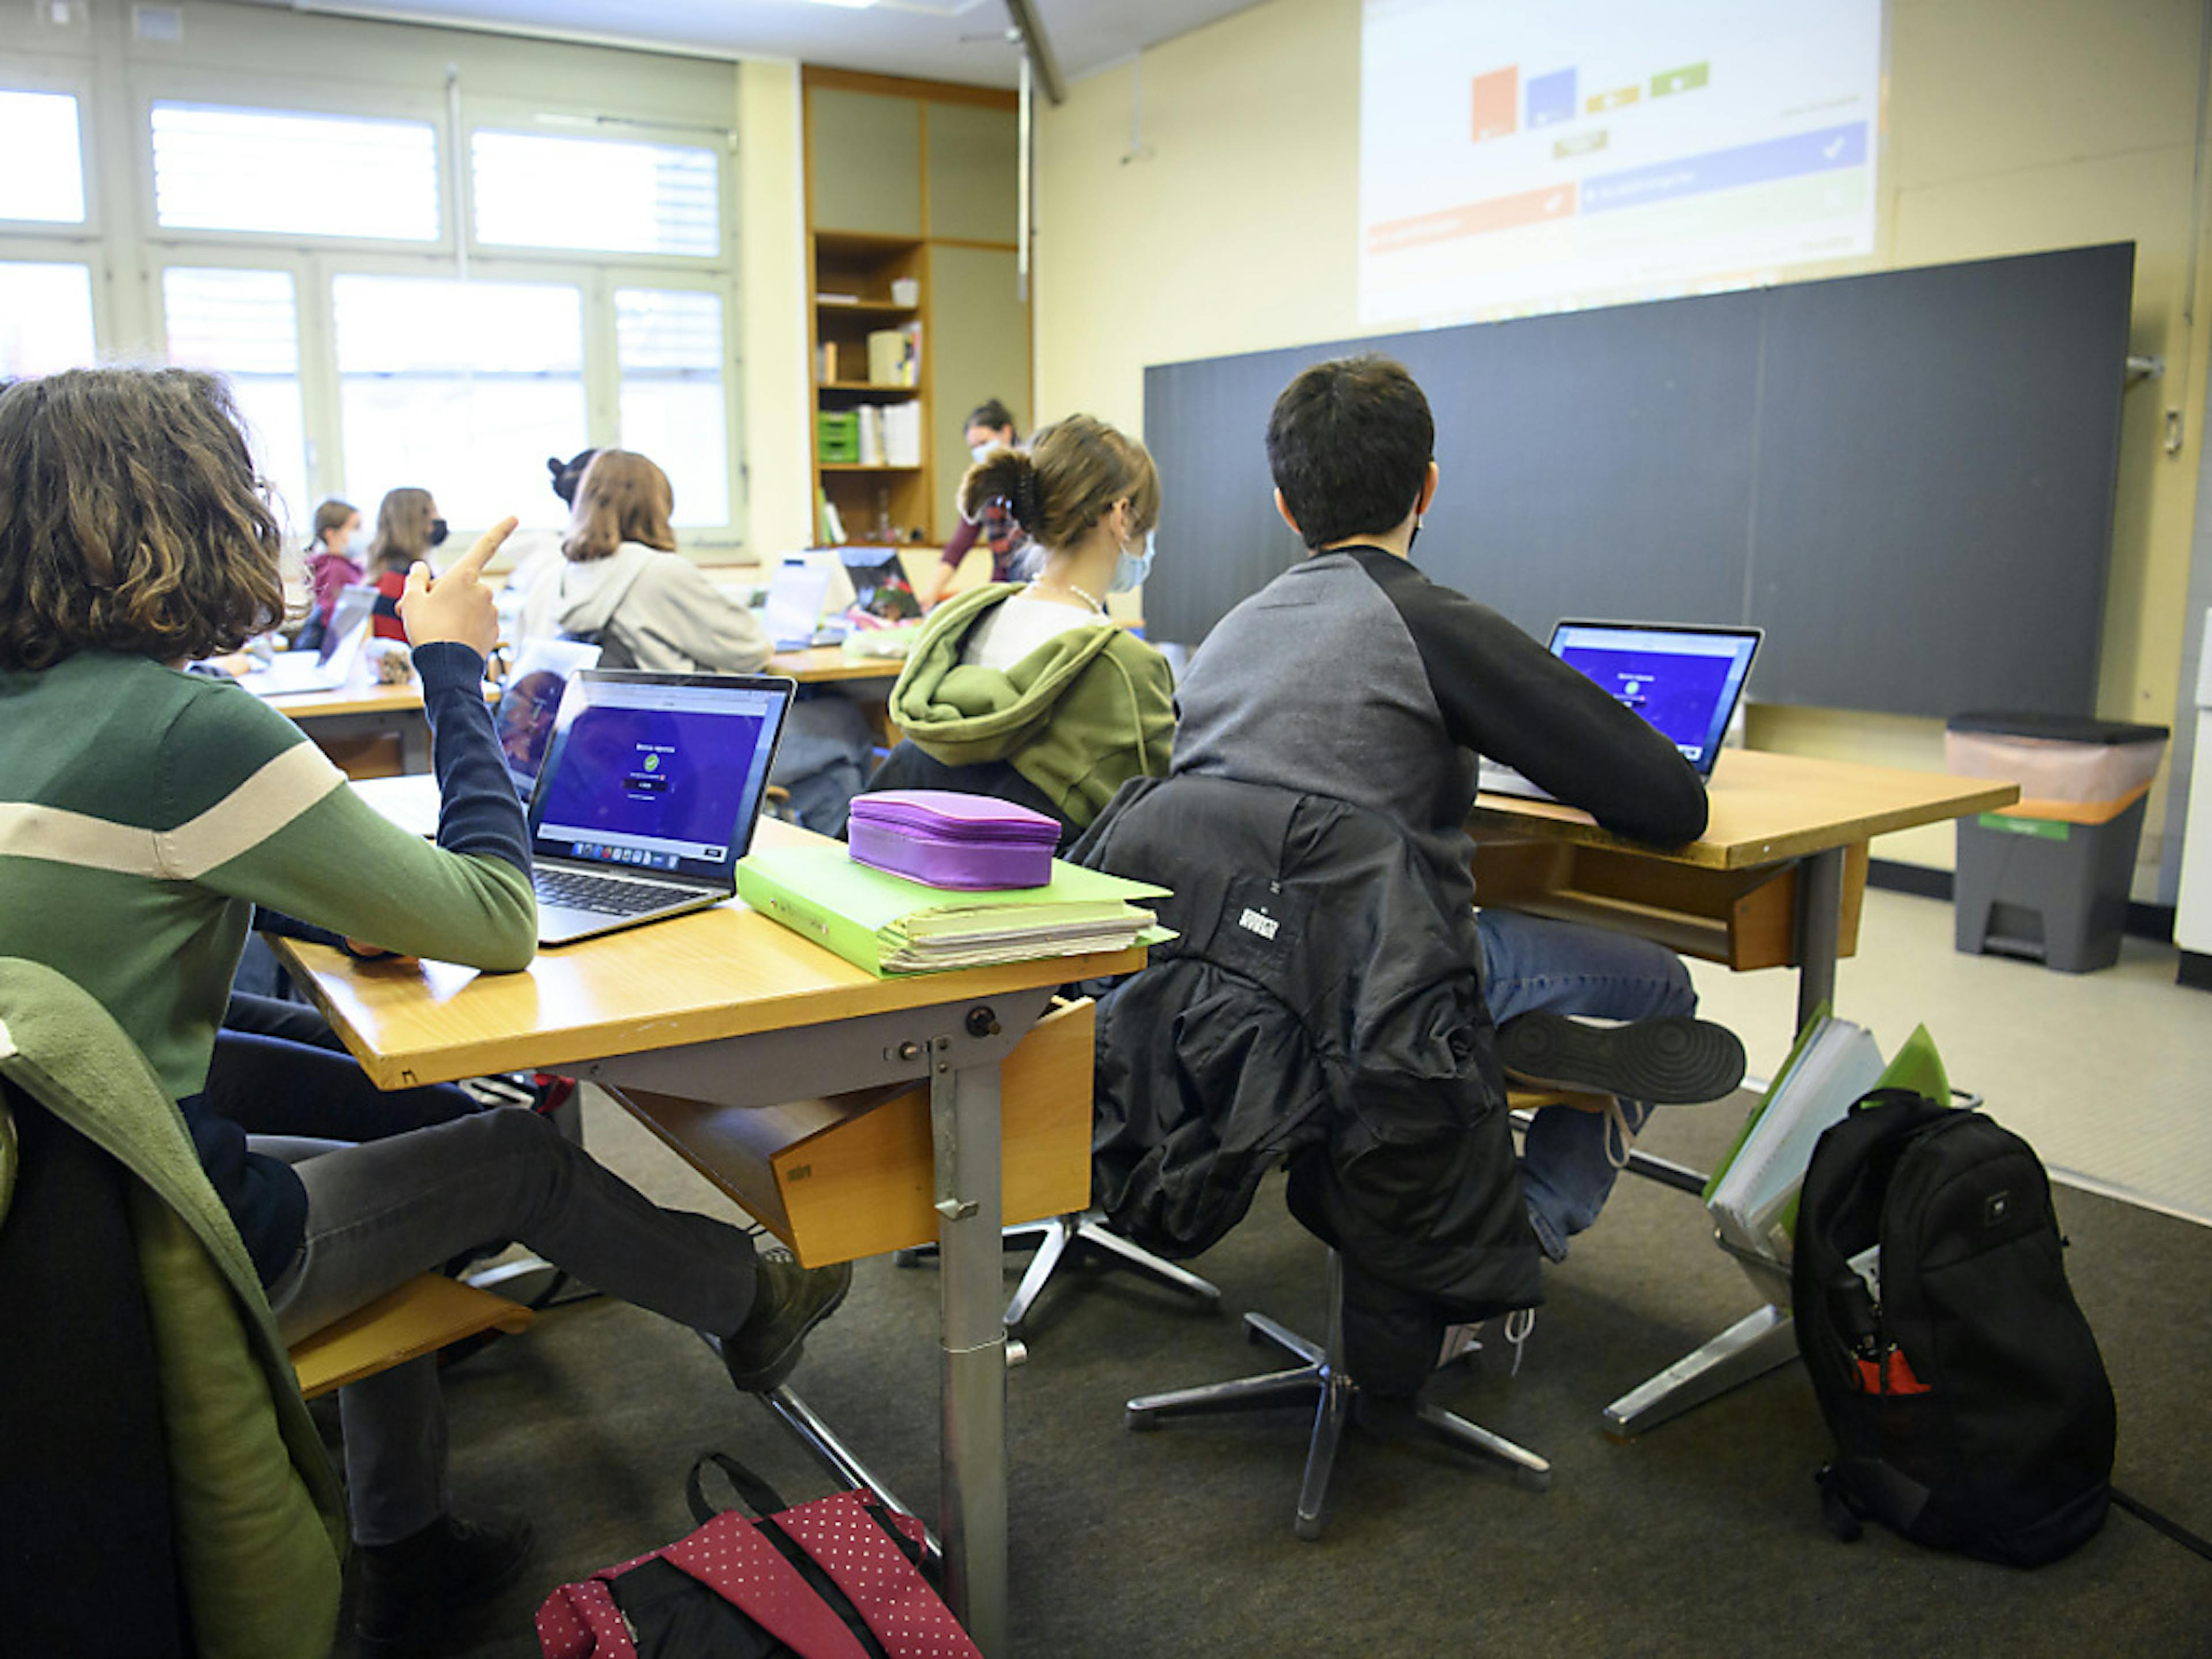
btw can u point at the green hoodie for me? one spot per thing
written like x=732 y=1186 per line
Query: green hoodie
x=1079 y=717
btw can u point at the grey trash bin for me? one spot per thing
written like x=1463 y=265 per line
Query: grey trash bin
x=2048 y=879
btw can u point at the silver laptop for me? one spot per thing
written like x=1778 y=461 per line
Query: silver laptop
x=797 y=598
x=651 y=786
x=1685 y=681
x=294 y=671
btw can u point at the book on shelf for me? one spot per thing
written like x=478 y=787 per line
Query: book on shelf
x=833 y=524
x=872 y=434
x=836 y=299
x=885 y=924
x=901 y=430
x=827 y=369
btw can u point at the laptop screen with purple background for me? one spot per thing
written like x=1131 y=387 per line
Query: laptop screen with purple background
x=1685 y=682
x=662 y=773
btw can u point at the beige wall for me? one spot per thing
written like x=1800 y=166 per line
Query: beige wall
x=777 y=387
x=2014 y=125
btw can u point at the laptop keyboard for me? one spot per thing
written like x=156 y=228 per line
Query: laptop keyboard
x=572 y=890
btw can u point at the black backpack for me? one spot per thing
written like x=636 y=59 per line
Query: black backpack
x=1969 y=1401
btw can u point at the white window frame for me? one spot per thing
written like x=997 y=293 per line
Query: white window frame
x=127 y=250
x=36 y=75
x=494 y=114
x=256 y=94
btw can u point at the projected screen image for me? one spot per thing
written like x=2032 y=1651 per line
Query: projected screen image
x=1517 y=157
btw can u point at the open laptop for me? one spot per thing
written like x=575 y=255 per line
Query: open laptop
x=648 y=795
x=1685 y=681
x=294 y=672
x=880 y=588
x=803 y=589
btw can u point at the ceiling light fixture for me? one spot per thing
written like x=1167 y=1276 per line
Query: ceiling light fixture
x=847 y=5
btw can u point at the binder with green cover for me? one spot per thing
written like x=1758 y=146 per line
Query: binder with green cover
x=886 y=924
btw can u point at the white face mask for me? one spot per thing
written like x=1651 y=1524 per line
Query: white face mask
x=979 y=450
x=1131 y=568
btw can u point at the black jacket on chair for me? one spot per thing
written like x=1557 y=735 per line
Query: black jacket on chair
x=1321 y=1006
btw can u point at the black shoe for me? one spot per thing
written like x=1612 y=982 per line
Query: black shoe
x=406 y=1589
x=1676 y=1061
x=788 y=1301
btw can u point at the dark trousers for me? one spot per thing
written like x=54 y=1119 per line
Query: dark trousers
x=280 y=1070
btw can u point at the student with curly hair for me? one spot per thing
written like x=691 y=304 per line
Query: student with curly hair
x=145 y=813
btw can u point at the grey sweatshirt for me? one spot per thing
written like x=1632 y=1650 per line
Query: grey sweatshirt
x=1353 y=675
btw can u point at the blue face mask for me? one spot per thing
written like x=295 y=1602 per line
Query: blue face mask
x=1131 y=568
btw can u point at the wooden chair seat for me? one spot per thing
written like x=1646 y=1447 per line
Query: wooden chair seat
x=420 y=1317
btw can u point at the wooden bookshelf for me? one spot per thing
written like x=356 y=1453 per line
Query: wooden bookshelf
x=902 y=179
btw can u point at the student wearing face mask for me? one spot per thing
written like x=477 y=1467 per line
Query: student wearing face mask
x=990 y=426
x=1029 y=691
x=407 y=527
x=330 y=567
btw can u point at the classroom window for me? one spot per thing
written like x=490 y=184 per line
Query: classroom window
x=44 y=180
x=596 y=196
x=245 y=326
x=669 y=343
x=461 y=388
x=46 y=319
x=278 y=173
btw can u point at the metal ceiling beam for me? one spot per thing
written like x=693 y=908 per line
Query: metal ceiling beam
x=1024 y=17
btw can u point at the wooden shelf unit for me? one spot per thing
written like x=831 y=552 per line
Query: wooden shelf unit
x=909 y=181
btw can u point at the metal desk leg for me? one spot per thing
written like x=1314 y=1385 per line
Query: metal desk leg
x=1750 y=1347
x=972 y=1495
x=1761 y=1341
x=1819 y=930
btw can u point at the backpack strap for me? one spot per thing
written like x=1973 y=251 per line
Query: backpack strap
x=753 y=1492
x=1846 y=1177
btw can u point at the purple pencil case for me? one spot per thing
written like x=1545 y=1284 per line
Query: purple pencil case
x=942 y=838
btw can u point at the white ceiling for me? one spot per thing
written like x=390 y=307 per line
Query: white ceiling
x=932 y=39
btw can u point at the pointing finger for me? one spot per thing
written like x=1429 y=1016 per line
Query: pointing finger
x=418 y=578
x=472 y=564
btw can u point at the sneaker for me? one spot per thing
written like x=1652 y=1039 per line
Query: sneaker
x=788 y=1301
x=407 y=1590
x=1678 y=1061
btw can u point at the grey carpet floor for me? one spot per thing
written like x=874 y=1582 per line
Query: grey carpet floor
x=1701 y=1537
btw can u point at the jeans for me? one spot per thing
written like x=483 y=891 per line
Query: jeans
x=380 y=1213
x=1530 y=966
x=824 y=759
x=280 y=1070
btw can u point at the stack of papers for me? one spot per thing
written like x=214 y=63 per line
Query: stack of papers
x=886 y=924
x=1753 y=1195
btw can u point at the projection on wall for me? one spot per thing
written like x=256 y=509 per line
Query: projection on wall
x=1520 y=155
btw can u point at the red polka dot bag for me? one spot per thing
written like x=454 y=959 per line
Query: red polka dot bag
x=838 y=1578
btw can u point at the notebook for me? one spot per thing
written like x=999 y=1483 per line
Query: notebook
x=886 y=924
x=1685 y=681
x=647 y=798
x=333 y=667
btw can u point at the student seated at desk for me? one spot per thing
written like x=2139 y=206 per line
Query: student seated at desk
x=1031 y=692
x=330 y=567
x=1354 y=676
x=623 y=586
x=407 y=527
x=144 y=813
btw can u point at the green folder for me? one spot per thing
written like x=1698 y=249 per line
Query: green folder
x=873 y=919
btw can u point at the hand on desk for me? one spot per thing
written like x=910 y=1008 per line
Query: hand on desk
x=368 y=952
x=456 y=606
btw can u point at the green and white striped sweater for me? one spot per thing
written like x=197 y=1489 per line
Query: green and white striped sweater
x=145 y=812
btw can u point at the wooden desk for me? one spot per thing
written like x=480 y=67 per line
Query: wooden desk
x=372 y=731
x=1776 y=881
x=369 y=731
x=727 y=1008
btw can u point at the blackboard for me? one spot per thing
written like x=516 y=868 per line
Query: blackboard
x=1907 y=479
